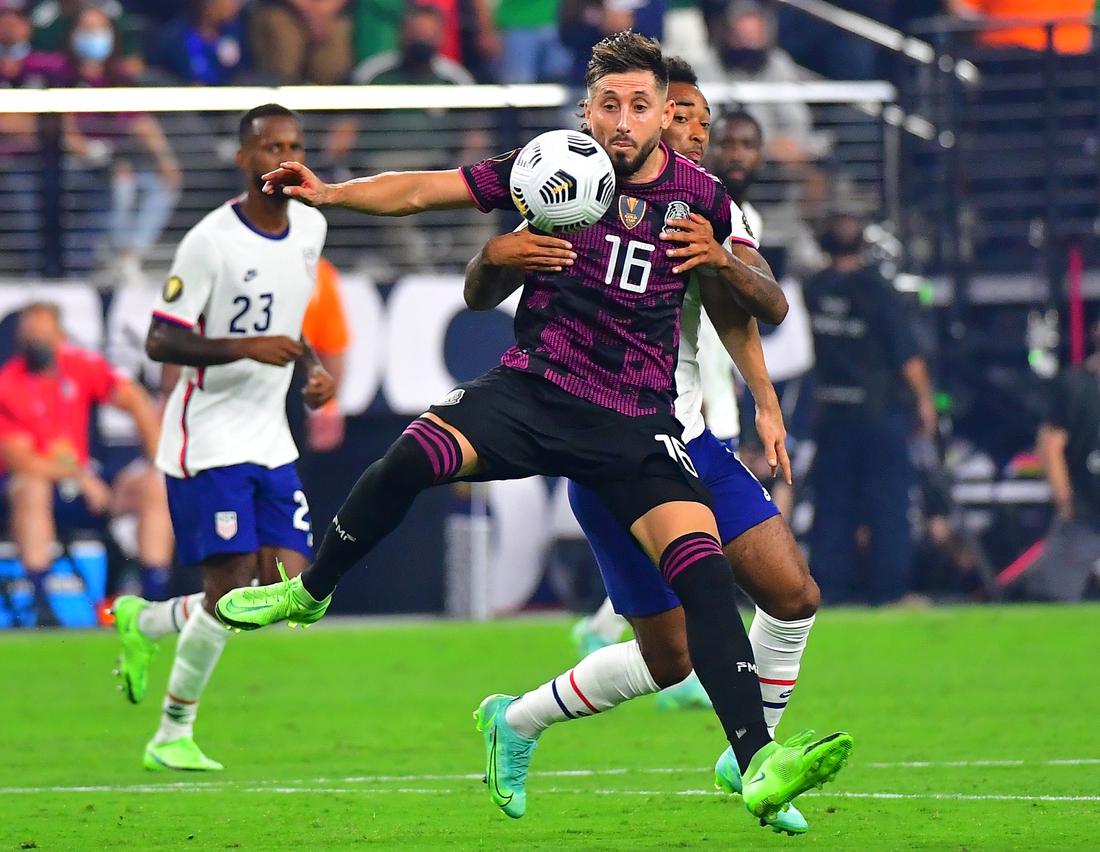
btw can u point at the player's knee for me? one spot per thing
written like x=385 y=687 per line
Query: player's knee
x=425 y=451
x=796 y=604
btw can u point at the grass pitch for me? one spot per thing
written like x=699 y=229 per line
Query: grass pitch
x=975 y=729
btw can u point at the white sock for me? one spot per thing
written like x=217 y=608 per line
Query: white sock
x=606 y=623
x=200 y=645
x=163 y=617
x=603 y=679
x=777 y=646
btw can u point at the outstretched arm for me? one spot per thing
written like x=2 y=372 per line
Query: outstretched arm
x=740 y=335
x=497 y=270
x=387 y=194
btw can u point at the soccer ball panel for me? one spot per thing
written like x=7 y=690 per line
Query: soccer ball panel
x=562 y=181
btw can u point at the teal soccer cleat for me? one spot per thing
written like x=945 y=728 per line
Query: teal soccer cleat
x=686 y=695
x=507 y=756
x=586 y=640
x=727 y=778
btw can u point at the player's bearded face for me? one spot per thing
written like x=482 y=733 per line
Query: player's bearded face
x=626 y=114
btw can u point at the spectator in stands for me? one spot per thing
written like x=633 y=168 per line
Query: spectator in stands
x=325 y=326
x=302 y=41
x=207 y=46
x=532 y=52
x=418 y=60
x=868 y=369
x=46 y=394
x=53 y=21
x=1069 y=445
x=125 y=154
x=1068 y=38
x=744 y=50
x=827 y=49
x=582 y=23
x=375 y=27
x=21 y=67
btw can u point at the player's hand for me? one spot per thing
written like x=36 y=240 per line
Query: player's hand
x=325 y=430
x=699 y=248
x=278 y=350
x=96 y=492
x=531 y=251
x=297 y=181
x=773 y=435
x=929 y=420
x=320 y=387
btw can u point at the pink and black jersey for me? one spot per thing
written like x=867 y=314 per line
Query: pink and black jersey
x=607 y=328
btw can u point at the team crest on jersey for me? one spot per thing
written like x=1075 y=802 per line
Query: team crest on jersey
x=225 y=524
x=676 y=210
x=173 y=288
x=453 y=398
x=631 y=211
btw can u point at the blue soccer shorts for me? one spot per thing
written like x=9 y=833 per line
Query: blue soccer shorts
x=633 y=583
x=237 y=509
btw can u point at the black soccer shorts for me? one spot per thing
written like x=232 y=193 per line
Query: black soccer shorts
x=521 y=424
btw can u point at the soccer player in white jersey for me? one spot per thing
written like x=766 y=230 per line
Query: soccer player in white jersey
x=766 y=561
x=231 y=315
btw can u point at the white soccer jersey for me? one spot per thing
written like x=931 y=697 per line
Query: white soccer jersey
x=703 y=368
x=227 y=280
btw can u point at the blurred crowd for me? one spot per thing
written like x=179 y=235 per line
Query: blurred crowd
x=324 y=42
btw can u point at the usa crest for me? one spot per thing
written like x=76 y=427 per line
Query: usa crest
x=676 y=210
x=631 y=211
x=225 y=524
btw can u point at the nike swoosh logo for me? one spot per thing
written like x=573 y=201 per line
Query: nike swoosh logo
x=493 y=768
x=786 y=694
x=233 y=608
x=758 y=778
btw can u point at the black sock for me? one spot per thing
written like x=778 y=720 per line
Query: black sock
x=424 y=455
x=717 y=642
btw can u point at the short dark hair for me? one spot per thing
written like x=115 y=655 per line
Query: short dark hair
x=623 y=52
x=244 y=129
x=742 y=115
x=679 y=71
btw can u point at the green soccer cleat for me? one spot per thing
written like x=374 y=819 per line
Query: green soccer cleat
x=727 y=778
x=181 y=754
x=138 y=650
x=254 y=607
x=507 y=756
x=686 y=695
x=778 y=773
x=585 y=640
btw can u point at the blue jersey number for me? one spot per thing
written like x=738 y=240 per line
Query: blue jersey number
x=246 y=304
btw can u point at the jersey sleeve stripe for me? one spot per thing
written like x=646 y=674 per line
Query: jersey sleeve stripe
x=173 y=320
x=183 y=425
x=472 y=189
x=743 y=241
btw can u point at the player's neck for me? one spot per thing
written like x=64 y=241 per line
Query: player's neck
x=265 y=213
x=654 y=165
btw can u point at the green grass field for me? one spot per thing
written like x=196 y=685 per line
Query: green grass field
x=975 y=729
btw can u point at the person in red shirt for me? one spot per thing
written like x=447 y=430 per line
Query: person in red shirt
x=46 y=394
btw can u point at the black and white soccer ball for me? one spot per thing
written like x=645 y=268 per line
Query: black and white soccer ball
x=562 y=181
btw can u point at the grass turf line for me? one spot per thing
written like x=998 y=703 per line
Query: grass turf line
x=374 y=711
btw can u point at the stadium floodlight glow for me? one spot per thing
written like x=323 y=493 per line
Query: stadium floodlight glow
x=358 y=98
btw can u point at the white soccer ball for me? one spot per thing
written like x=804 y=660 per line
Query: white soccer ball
x=562 y=181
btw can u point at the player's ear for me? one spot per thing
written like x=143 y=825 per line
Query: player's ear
x=242 y=159
x=587 y=103
x=670 y=112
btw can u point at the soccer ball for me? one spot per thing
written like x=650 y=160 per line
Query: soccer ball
x=562 y=181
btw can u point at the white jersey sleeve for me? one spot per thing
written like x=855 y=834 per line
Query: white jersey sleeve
x=186 y=294
x=704 y=373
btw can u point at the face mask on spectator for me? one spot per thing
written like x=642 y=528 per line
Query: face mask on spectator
x=745 y=58
x=38 y=355
x=419 y=53
x=16 y=52
x=93 y=45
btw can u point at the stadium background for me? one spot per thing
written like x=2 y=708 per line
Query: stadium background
x=977 y=164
